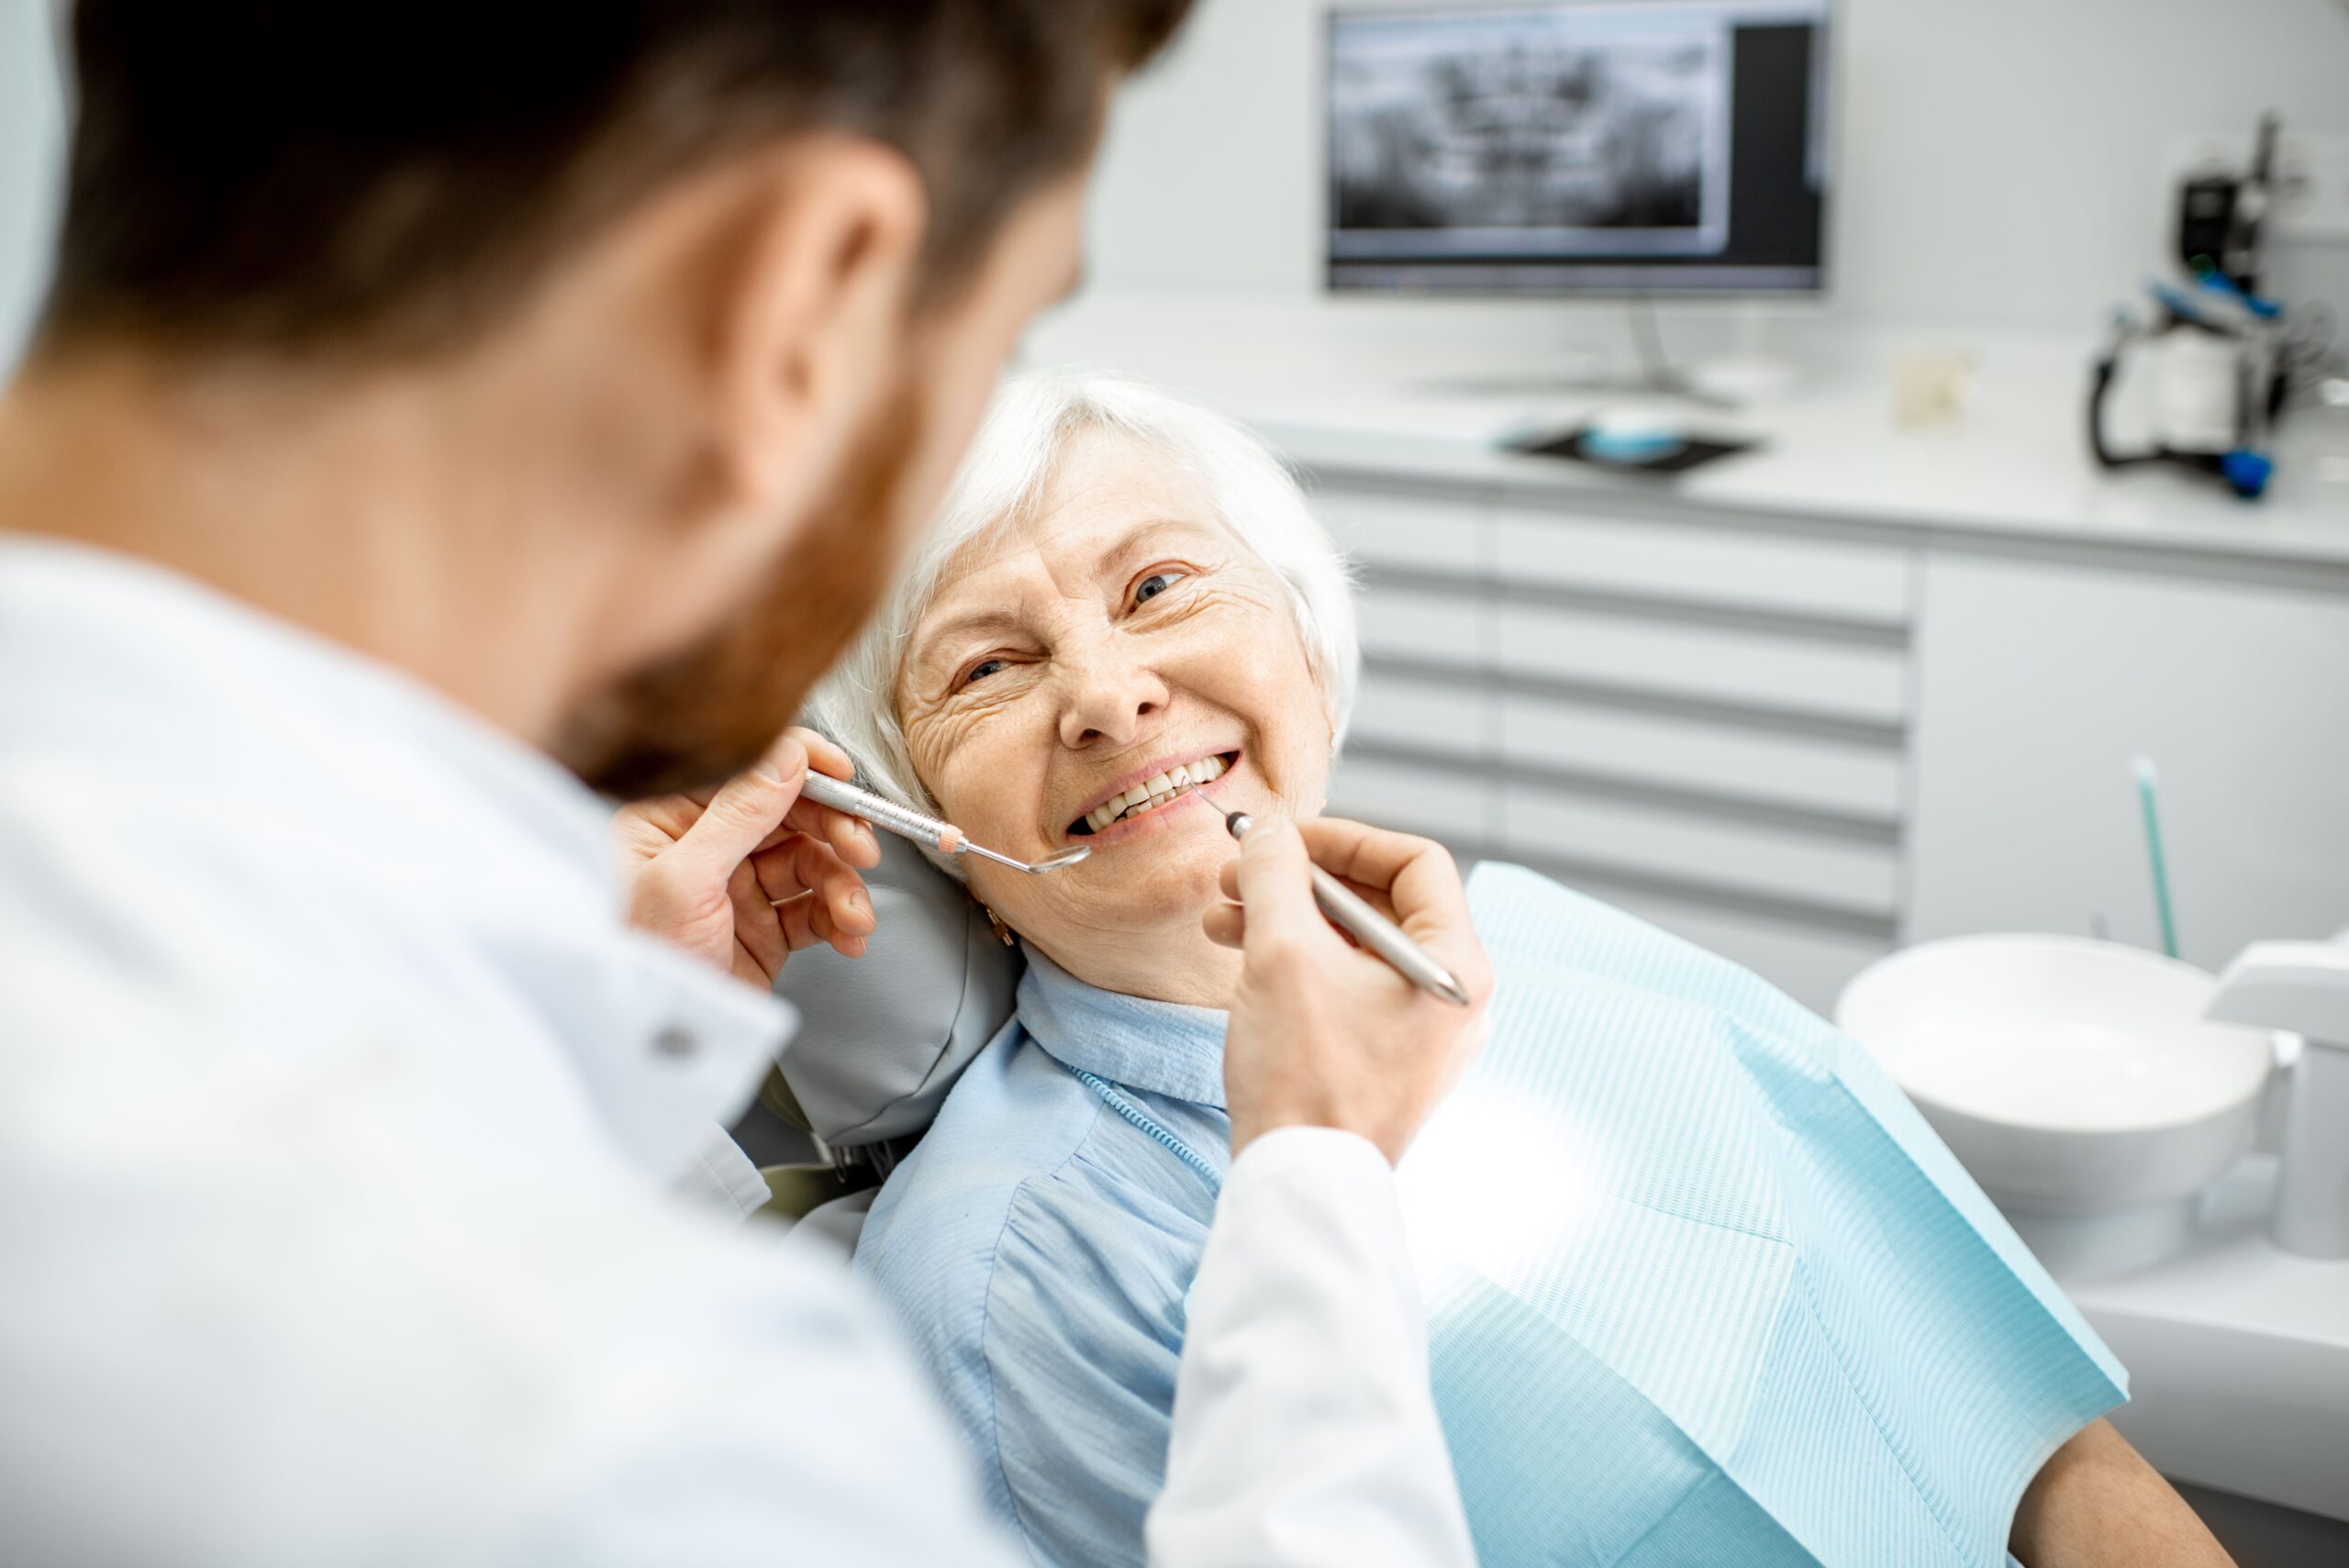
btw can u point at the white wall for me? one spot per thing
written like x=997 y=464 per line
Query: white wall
x=32 y=140
x=2001 y=161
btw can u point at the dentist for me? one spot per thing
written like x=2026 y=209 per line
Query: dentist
x=441 y=409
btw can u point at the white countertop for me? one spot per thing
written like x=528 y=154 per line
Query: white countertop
x=1384 y=387
x=2238 y=1355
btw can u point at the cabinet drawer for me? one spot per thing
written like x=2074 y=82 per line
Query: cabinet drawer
x=1384 y=528
x=1420 y=624
x=1754 y=859
x=1413 y=710
x=1856 y=780
x=1714 y=664
x=1726 y=567
x=1437 y=802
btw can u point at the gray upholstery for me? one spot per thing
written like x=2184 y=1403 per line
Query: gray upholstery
x=882 y=1038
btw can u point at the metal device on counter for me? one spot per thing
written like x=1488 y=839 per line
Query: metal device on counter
x=2229 y=361
x=2220 y=383
x=2220 y=214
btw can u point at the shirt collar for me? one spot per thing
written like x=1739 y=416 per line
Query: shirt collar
x=1161 y=1048
x=448 y=827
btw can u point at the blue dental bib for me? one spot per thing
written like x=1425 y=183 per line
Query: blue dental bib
x=1704 y=1288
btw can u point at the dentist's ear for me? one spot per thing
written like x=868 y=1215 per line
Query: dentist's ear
x=811 y=291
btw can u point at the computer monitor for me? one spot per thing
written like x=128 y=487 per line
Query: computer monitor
x=1617 y=147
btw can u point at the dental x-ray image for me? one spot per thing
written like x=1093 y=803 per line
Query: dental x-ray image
x=1547 y=131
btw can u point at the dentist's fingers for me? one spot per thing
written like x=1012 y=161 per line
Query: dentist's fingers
x=1283 y=923
x=807 y=924
x=746 y=812
x=793 y=751
x=825 y=899
x=1421 y=884
x=689 y=861
x=853 y=840
x=1226 y=924
x=1323 y=1035
x=1373 y=896
x=822 y=755
x=759 y=944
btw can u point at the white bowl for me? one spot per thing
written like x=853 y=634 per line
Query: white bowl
x=2071 y=1078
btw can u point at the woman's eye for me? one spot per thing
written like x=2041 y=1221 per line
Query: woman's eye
x=1157 y=583
x=981 y=670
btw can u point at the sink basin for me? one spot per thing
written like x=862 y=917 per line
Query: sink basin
x=2075 y=1080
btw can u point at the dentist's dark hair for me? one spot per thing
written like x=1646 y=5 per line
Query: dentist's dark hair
x=348 y=177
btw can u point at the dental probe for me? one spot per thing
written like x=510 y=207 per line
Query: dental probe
x=943 y=837
x=1346 y=909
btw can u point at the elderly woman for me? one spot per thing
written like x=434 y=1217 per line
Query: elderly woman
x=1701 y=1286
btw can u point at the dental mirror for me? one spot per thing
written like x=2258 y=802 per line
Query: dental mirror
x=1053 y=862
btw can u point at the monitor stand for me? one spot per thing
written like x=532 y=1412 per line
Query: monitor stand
x=1652 y=376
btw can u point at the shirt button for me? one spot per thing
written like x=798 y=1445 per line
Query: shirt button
x=675 y=1043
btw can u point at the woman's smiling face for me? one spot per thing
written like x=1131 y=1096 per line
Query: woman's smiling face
x=1120 y=633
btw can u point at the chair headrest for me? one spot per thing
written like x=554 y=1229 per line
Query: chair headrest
x=882 y=1038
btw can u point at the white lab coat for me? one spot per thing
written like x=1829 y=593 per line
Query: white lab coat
x=341 y=1127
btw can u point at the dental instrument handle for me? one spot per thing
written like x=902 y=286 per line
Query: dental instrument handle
x=1349 y=911
x=943 y=837
x=826 y=790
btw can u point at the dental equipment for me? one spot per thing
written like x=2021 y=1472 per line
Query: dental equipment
x=2149 y=807
x=943 y=837
x=1382 y=936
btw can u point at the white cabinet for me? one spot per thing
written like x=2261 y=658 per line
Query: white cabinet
x=1701 y=722
x=1663 y=558
x=1442 y=530
x=1857 y=776
x=2040 y=684
x=1620 y=650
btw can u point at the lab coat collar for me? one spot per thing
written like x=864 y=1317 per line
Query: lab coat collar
x=402 y=800
x=1161 y=1048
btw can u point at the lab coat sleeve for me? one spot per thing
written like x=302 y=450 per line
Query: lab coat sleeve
x=1305 y=1428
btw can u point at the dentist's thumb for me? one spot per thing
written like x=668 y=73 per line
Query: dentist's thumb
x=745 y=811
x=1284 y=924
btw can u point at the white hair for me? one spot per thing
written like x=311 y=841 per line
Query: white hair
x=1006 y=477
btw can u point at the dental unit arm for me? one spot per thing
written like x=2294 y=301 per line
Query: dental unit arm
x=2303 y=988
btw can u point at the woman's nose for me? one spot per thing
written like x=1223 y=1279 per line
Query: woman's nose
x=1110 y=700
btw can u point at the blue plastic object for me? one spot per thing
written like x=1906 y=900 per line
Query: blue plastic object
x=1704 y=1287
x=2247 y=472
x=2218 y=283
x=1632 y=440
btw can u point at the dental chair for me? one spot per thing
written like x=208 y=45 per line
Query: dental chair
x=881 y=1040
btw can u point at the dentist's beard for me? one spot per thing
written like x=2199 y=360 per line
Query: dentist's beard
x=698 y=718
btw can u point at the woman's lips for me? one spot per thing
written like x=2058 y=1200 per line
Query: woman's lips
x=1124 y=814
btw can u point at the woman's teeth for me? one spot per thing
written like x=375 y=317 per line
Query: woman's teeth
x=1152 y=794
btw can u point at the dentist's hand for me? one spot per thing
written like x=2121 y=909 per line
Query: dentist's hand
x=1322 y=1033
x=748 y=873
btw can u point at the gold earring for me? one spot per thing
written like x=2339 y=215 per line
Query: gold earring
x=1002 y=931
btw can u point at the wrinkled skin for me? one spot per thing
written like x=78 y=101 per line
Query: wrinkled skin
x=1121 y=627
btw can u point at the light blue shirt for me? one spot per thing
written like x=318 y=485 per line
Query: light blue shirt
x=1701 y=1286
x=1039 y=1244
